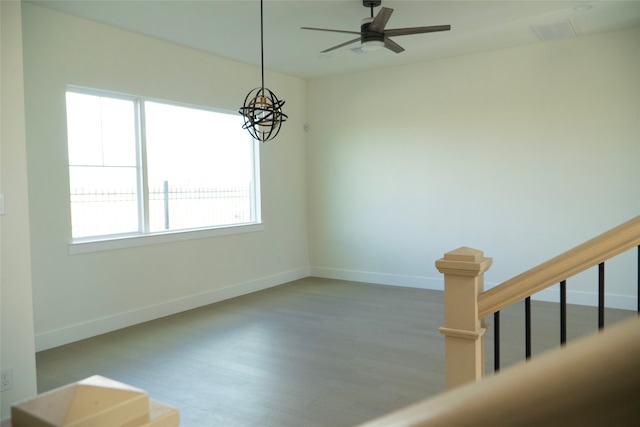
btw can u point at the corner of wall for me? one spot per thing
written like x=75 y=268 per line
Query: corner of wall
x=16 y=312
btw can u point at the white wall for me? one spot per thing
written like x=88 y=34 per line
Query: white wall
x=16 y=314
x=522 y=153
x=76 y=296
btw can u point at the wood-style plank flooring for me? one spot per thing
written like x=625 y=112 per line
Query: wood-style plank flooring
x=314 y=352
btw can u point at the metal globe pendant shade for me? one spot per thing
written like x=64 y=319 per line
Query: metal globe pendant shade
x=262 y=110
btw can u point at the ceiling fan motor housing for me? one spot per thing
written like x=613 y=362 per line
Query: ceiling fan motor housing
x=368 y=35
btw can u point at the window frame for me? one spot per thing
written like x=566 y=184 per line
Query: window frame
x=144 y=236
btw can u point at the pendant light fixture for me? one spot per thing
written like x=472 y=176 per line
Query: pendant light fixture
x=262 y=110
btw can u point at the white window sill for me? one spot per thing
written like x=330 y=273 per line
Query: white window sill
x=81 y=246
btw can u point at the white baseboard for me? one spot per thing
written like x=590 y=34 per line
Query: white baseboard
x=380 y=278
x=66 y=335
x=57 y=337
x=552 y=294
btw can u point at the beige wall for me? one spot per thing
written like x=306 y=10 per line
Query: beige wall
x=85 y=294
x=522 y=153
x=16 y=314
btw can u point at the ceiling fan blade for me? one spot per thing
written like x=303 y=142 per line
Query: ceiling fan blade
x=341 y=45
x=381 y=19
x=416 y=30
x=391 y=45
x=332 y=31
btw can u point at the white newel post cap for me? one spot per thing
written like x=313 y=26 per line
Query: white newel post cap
x=464 y=261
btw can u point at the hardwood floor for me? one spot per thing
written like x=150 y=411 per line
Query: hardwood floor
x=314 y=352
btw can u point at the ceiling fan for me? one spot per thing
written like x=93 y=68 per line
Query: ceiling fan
x=372 y=34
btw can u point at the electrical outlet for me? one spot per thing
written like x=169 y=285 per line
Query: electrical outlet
x=6 y=379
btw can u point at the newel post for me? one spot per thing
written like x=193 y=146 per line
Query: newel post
x=463 y=270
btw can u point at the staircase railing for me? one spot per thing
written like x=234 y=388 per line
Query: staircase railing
x=589 y=254
x=592 y=382
x=467 y=304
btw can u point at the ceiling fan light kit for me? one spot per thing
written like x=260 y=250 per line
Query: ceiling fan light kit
x=372 y=34
x=372 y=45
x=262 y=110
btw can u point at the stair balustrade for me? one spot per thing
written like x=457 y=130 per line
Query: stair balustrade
x=467 y=304
x=593 y=381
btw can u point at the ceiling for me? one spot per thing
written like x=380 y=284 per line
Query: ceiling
x=232 y=28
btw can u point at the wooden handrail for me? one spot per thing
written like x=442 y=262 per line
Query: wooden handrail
x=563 y=266
x=592 y=382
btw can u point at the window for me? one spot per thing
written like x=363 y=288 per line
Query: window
x=141 y=167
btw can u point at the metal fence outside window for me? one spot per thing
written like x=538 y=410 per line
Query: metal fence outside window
x=101 y=212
